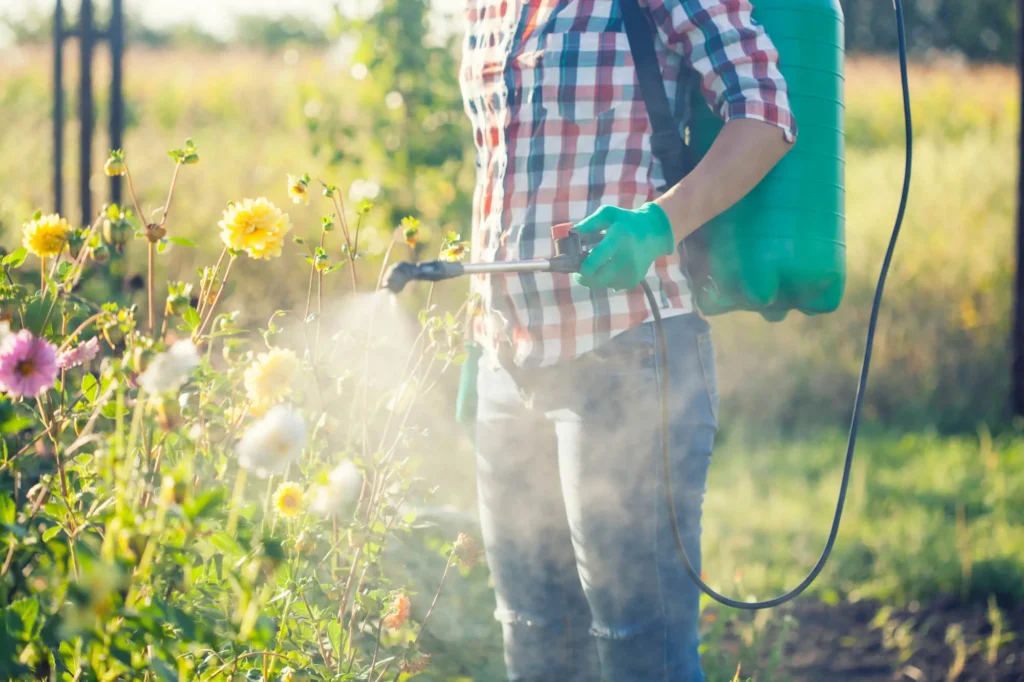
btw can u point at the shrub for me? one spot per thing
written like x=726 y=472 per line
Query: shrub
x=183 y=499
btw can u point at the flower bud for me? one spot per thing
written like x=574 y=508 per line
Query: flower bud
x=115 y=164
x=291 y=675
x=304 y=544
x=116 y=232
x=99 y=254
x=321 y=262
x=168 y=415
x=173 y=491
x=177 y=304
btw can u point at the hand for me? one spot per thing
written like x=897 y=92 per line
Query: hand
x=633 y=241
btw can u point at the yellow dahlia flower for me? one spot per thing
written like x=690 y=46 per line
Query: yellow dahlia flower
x=288 y=500
x=46 y=235
x=270 y=377
x=255 y=226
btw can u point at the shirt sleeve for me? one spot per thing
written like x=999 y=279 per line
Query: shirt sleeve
x=737 y=62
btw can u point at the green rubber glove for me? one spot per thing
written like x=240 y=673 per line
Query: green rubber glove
x=633 y=241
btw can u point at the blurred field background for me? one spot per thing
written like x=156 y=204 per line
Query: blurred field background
x=927 y=572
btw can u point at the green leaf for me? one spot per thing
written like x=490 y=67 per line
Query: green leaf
x=161 y=246
x=191 y=318
x=334 y=634
x=27 y=611
x=15 y=259
x=164 y=670
x=204 y=504
x=90 y=388
x=181 y=241
x=7 y=509
x=51 y=533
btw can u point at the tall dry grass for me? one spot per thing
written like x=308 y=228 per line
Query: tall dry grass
x=941 y=357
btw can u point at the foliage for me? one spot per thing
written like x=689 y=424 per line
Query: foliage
x=980 y=29
x=415 y=143
x=181 y=505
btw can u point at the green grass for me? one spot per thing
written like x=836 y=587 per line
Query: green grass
x=927 y=516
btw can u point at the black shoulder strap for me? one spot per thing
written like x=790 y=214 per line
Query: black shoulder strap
x=667 y=145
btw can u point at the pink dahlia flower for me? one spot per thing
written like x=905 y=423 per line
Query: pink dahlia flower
x=28 y=365
x=80 y=354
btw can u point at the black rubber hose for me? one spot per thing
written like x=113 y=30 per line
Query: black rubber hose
x=855 y=422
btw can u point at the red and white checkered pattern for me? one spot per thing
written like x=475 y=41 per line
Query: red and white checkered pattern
x=561 y=129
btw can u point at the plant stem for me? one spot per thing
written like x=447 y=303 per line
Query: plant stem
x=204 y=290
x=151 y=288
x=319 y=316
x=309 y=292
x=170 y=195
x=423 y=623
x=376 y=648
x=67 y=341
x=236 y=502
x=131 y=190
x=213 y=306
x=387 y=258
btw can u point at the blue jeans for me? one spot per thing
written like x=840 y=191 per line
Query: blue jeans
x=572 y=502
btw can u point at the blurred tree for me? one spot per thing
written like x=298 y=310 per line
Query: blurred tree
x=980 y=29
x=273 y=33
x=404 y=127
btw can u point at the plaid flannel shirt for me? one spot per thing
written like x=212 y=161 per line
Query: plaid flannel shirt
x=561 y=129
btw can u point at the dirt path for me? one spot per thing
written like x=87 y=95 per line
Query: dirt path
x=936 y=642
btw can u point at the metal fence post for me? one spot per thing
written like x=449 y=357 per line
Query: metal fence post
x=115 y=34
x=58 y=108
x=85 y=112
x=1017 y=342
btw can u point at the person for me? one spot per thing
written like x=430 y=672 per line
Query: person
x=574 y=521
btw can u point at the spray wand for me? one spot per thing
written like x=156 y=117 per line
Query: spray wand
x=572 y=248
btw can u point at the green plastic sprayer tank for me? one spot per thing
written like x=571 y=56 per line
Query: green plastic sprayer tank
x=783 y=246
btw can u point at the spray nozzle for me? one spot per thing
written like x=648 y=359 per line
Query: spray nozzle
x=400 y=274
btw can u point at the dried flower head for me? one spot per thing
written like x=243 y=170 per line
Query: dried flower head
x=46 y=235
x=255 y=226
x=467 y=551
x=398 y=614
x=416 y=665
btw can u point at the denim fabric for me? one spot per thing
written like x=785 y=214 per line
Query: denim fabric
x=572 y=504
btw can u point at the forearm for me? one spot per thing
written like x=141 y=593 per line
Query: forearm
x=744 y=152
